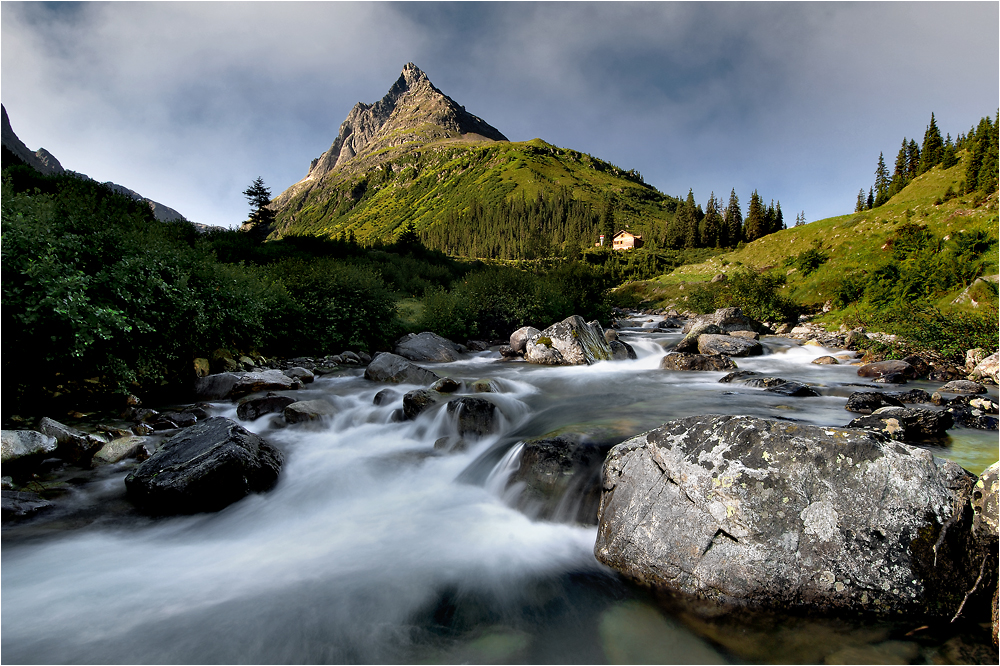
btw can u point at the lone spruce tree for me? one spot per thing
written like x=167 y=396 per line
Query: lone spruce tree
x=261 y=221
x=933 y=149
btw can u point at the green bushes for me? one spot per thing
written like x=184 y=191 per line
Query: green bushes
x=755 y=293
x=924 y=326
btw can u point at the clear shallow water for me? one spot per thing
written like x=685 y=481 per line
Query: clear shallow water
x=373 y=548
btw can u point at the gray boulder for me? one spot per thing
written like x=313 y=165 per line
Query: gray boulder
x=418 y=401
x=772 y=514
x=727 y=319
x=446 y=385
x=988 y=369
x=253 y=407
x=476 y=417
x=793 y=390
x=887 y=369
x=238 y=384
x=204 y=468
x=130 y=447
x=622 y=351
x=426 y=346
x=305 y=411
x=519 y=338
x=689 y=343
x=302 y=374
x=397 y=370
x=73 y=445
x=687 y=362
x=728 y=345
x=906 y=424
x=384 y=397
x=16 y=504
x=17 y=445
x=866 y=402
x=963 y=386
x=576 y=342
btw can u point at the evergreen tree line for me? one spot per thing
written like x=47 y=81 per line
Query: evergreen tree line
x=913 y=160
x=519 y=228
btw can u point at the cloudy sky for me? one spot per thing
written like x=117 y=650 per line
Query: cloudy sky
x=188 y=102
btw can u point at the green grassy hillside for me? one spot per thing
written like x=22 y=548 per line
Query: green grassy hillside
x=424 y=184
x=852 y=244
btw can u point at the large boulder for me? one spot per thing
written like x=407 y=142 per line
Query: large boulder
x=576 y=341
x=204 y=468
x=727 y=319
x=622 y=351
x=766 y=513
x=689 y=343
x=238 y=384
x=418 y=401
x=728 y=345
x=906 y=424
x=887 y=370
x=73 y=445
x=129 y=447
x=426 y=346
x=866 y=402
x=17 y=445
x=682 y=361
x=397 y=370
x=255 y=406
x=988 y=369
x=305 y=411
x=963 y=386
x=519 y=338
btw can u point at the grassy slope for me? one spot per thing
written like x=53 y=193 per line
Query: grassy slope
x=852 y=241
x=426 y=182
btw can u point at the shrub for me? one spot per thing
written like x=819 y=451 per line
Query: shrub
x=757 y=295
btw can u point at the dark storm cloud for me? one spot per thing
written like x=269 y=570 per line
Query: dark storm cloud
x=187 y=102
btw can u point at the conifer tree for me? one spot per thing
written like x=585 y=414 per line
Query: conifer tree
x=881 y=182
x=261 y=220
x=711 y=224
x=950 y=157
x=987 y=181
x=912 y=160
x=932 y=151
x=870 y=203
x=608 y=222
x=779 y=219
x=753 y=227
x=977 y=155
x=689 y=221
x=734 y=220
x=899 y=178
x=860 y=205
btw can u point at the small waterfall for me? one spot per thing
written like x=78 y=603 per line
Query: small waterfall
x=496 y=482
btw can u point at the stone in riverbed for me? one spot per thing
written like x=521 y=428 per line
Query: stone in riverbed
x=728 y=345
x=906 y=424
x=204 y=468
x=397 y=370
x=253 y=407
x=988 y=369
x=866 y=402
x=682 y=361
x=238 y=384
x=622 y=351
x=884 y=369
x=764 y=513
x=963 y=386
x=305 y=411
x=20 y=504
x=825 y=360
x=793 y=390
x=73 y=445
x=130 y=447
x=689 y=343
x=426 y=346
x=519 y=338
x=570 y=342
x=476 y=417
x=419 y=401
x=17 y=445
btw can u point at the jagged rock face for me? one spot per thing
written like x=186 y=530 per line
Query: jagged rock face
x=412 y=110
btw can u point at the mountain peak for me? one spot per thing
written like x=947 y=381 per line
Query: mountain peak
x=412 y=111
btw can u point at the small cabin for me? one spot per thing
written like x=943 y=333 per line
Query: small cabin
x=624 y=240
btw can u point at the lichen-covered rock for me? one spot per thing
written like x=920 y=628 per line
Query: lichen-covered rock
x=446 y=385
x=906 y=424
x=689 y=343
x=682 y=361
x=19 y=444
x=397 y=370
x=772 y=514
x=130 y=447
x=727 y=319
x=987 y=369
x=728 y=345
x=418 y=401
x=204 y=468
x=238 y=384
x=825 y=360
x=963 y=386
x=426 y=346
x=866 y=402
x=576 y=341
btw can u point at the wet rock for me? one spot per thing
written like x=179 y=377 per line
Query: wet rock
x=426 y=346
x=305 y=411
x=476 y=417
x=747 y=335
x=728 y=345
x=418 y=401
x=130 y=447
x=682 y=361
x=253 y=407
x=17 y=445
x=300 y=373
x=689 y=344
x=238 y=384
x=446 y=385
x=16 y=504
x=886 y=369
x=825 y=360
x=906 y=424
x=561 y=477
x=727 y=319
x=519 y=338
x=384 y=397
x=397 y=370
x=633 y=632
x=963 y=386
x=204 y=468
x=737 y=376
x=570 y=342
x=202 y=367
x=622 y=351
x=866 y=402
x=171 y=420
x=764 y=382
x=970 y=411
x=793 y=390
x=484 y=386
x=508 y=354
x=477 y=345
x=73 y=445
x=764 y=513
x=913 y=396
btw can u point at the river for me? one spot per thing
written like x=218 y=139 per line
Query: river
x=373 y=548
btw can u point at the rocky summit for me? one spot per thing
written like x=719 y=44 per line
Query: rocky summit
x=413 y=112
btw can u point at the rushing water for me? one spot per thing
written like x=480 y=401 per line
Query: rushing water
x=373 y=547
